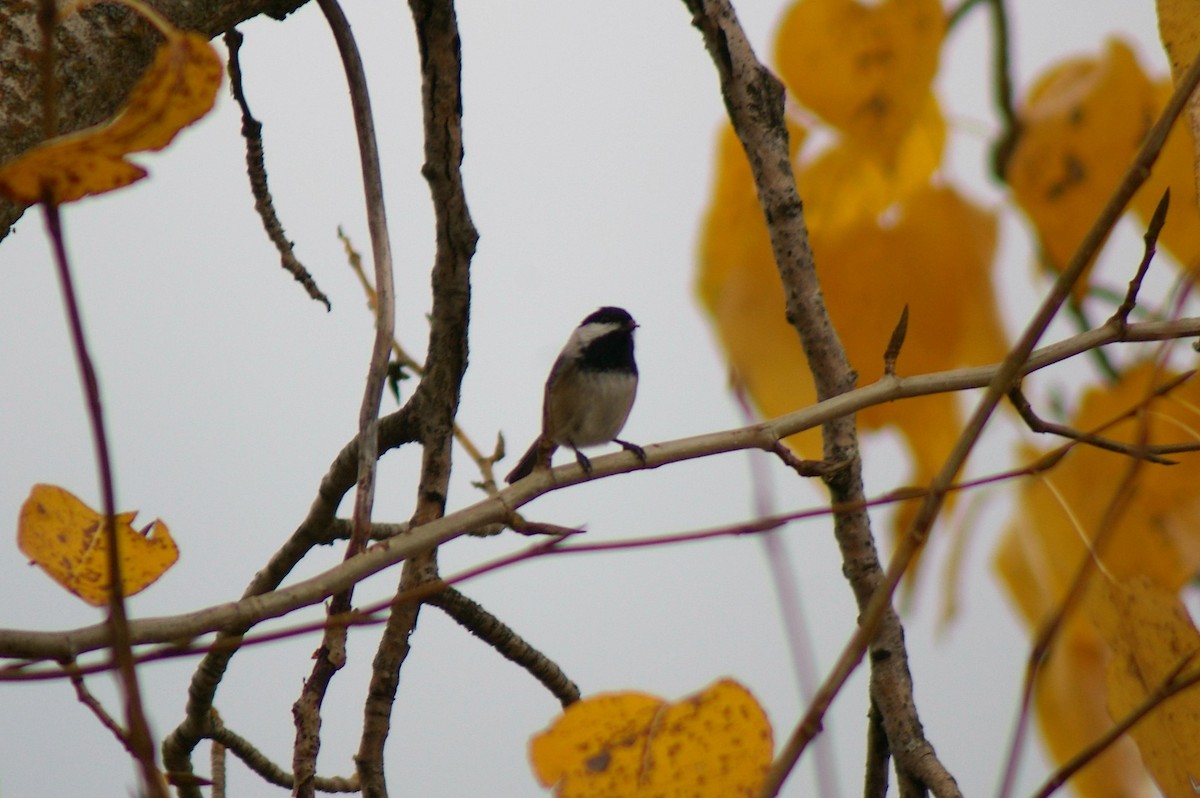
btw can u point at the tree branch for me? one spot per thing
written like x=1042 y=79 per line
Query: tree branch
x=754 y=99
x=263 y=601
x=438 y=394
x=491 y=630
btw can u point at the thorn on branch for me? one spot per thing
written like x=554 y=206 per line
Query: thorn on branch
x=895 y=343
x=534 y=528
x=257 y=170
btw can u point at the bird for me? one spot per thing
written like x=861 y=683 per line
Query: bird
x=589 y=392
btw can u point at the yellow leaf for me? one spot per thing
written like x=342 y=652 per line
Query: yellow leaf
x=716 y=743
x=1149 y=632
x=1181 y=233
x=178 y=88
x=1179 y=29
x=67 y=539
x=1081 y=126
x=933 y=251
x=1069 y=691
x=843 y=184
x=1157 y=538
x=865 y=69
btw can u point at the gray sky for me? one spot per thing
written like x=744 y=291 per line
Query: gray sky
x=589 y=135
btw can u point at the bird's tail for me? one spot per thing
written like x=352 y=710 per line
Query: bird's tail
x=539 y=453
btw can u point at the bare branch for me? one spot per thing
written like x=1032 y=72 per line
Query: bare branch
x=270 y=772
x=1150 y=453
x=1157 y=220
x=256 y=168
x=491 y=630
x=437 y=397
x=754 y=99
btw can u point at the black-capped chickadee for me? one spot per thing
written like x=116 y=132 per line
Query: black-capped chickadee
x=589 y=392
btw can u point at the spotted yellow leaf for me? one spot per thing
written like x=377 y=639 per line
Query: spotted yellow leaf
x=179 y=87
x=67 y=539
x=714 y=744
x=1080 y=128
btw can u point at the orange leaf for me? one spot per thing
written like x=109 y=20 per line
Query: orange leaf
x=1149 y=632
x=866 y=69
x=68 y=540
x=716 y=743
x=178 y=88
x=1081 y=126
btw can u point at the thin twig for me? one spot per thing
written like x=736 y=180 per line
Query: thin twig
x=1150 y=239
x=331 y=655
x=138 y=731
x=1002 y=150
x=1149 y=453
x=90 y=701
x=270 y=772
x=485 y=463
x=256 y=169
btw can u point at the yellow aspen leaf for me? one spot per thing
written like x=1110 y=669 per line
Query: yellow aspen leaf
x=1179 y=29
x=715 y=743
x=1070 y=692
x=1156 y=538
x=865 y=69
x=1081 y=126
x=933 y=252
x=68 y=540
x=1173 y=170
x=1149 y=633
x=179 y=87
x=842 y=186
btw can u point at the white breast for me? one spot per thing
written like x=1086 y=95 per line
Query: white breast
x=590 y=408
